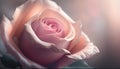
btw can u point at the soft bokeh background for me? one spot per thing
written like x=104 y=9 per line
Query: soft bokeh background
x=100 y=20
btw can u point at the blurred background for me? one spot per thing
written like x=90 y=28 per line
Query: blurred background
x=100 y=20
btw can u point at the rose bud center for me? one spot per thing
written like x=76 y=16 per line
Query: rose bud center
x=48 y=27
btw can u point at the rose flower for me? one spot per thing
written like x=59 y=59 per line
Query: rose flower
x=41 y=34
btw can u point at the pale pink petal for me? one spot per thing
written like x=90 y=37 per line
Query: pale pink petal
x=83 y=50
x=77 y=26
x=12 y=48
x=24 y=13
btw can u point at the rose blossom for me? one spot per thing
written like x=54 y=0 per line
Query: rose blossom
x=41 y=34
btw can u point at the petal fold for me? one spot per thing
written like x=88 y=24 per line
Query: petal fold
x=83 y=50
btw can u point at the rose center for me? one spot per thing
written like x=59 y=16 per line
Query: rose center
x=48 y=26
x=52 y=25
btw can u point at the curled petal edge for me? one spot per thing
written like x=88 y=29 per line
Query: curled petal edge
x=89 y=50
x=84 y=53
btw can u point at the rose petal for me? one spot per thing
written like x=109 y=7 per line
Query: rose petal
x=78 y=53
x=83 y=49
x=24 y=13
x=12 y=47
x=77 y=26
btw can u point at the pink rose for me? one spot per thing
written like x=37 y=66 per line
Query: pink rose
x=41 y=33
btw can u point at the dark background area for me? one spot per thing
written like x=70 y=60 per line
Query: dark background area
x=100 y=20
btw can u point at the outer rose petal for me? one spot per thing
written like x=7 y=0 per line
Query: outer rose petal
x=11 y=47
x=84 y=49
